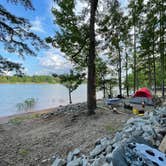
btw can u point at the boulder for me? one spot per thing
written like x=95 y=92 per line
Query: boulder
x=162 y=146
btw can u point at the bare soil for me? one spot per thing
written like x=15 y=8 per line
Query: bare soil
x=33 y=140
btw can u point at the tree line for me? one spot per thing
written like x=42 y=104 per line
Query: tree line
x=29 y=79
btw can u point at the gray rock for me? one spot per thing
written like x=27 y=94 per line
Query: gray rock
x=84 y=162
x=106 y=164
x=118 y=137
x=97 y=142
x=59 y=162
x=105 y=141
x=76 y=151
x=70 y=157
x=76 y=162
x=98 y=149
x=99 y=162
x=109 y=157
x=109 y=149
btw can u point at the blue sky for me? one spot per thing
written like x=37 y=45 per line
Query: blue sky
x=47 y=61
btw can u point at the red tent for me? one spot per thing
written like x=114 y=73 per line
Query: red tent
x=143 y=92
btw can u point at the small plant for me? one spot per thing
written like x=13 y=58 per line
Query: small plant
x=112 y=128
x=23 y=152
x=28 y=104
x=19 y=120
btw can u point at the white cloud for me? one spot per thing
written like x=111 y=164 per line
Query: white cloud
x=54 y=60
x=37 y=25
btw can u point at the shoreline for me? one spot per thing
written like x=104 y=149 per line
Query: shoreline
x=5 y=119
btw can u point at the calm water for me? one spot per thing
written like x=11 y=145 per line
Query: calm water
x=46 y=95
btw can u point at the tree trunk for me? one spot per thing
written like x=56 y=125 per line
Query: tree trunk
x=149 y=72
x=162 y=48
x=120 y=73
x=70 y=100
x=104 y=89
x=134 y=23
x=135 y=84
x=91 y=97
x=154 y=63
x=127 y=84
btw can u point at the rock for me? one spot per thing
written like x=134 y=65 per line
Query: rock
x=151 y=127
x=109 y=149
x=3 y=163
x=76 y=162
x=118 y=137
x=98 y=149
x=59 y=162
x=76 y=151
x=162 y=146
x=70 y=157
x=105 y=141
x=84 y=162
x=109 y=158
x=99 y=162
x=97 y=142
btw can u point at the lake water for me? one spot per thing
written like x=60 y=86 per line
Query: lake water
x=46 y=96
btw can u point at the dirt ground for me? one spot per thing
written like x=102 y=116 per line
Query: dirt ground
x=33 y=140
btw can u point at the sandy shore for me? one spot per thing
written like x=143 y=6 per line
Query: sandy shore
x=5 y=119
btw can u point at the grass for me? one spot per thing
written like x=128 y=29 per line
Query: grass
x=23 y=152
x=111 y=128
x=19 y=120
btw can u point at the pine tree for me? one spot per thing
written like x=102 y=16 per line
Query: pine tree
x=15 y=32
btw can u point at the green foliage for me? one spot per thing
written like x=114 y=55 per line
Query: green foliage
x=71 y=81
x=23 y=152
x=8 y=66
x=15 y=32
x=72 y=38
x=28 y=104
x=29 y=79
x=19 y=120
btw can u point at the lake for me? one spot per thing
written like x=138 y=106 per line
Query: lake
x=45 y=95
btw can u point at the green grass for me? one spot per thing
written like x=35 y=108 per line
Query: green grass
x=111 y=128
x=23 y=152
x=19 y=120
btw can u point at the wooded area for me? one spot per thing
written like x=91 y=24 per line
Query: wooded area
x=130 y=43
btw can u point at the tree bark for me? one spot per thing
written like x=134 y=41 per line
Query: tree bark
x=120 y=73
x=134 y=23
x=70 y=100
x=91 y=88
x=154 y=63
x=162 y=48
x=149 y=72
x=127 y=84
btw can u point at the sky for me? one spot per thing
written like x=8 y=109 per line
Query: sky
x=47 y=61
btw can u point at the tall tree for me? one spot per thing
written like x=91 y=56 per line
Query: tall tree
x=91 y=60
x=76 y=38
x=162 y=19
x=135 y=12
x=114 y=30
x=15 y=32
